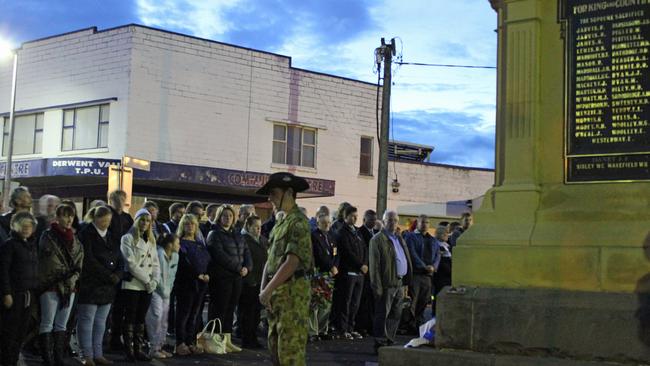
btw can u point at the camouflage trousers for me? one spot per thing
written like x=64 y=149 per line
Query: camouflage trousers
x=288 y=323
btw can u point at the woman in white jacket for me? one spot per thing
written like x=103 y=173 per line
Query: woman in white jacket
x=141 y=257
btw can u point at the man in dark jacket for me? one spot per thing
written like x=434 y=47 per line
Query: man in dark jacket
x=425 y=254
x=268 y=225
x=176 y=211
x=466 y=222
x=340 y=218
x=20 y=201
x=121 y=222
x=156 y=227
x=390 y=271
x=366 y=312
x=353 y=265
x=211 y=223
x=313 y=222
x=46 y=212
x=244 y=212
x=326 y=263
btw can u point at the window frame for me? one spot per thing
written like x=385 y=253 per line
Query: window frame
x=73 y=127
x=370 y=157
x=5 y=133
x=286 y=144
x=303 y=144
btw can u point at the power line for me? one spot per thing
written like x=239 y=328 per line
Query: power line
x=446 y=65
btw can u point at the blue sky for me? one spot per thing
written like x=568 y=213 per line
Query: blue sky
x=450 y=109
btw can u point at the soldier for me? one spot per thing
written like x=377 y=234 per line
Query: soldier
x=286 y=288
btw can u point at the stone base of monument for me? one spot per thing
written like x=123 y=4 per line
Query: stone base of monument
x=538 y=326
x=426 y=356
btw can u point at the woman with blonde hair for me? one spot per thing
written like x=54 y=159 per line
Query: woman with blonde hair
x=191 y=284
x=231 y=262
x=141 y=256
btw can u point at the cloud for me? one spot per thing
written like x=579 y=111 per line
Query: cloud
x=271 y=25
x=203 y=18
x=455 y=136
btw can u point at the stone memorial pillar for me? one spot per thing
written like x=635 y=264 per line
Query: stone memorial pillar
x=558 y=261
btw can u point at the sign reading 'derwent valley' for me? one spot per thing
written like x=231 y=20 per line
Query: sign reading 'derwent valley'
x=608 y=106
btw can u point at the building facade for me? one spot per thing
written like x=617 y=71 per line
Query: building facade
x=214 y=120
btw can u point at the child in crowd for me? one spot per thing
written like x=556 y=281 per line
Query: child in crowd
x=18 y=285
x=156 y=319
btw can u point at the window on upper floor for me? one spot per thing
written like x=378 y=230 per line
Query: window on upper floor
x=294 y=145
x=85 y=128
x=28 y=135
x=365 y=157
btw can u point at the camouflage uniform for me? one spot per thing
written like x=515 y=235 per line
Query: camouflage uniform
x=289 y=317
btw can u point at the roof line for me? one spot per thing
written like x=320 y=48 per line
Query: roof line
x=442 y=165
x=60 y=106
x=95 y=31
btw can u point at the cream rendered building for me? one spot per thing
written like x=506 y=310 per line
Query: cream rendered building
x=214 y=119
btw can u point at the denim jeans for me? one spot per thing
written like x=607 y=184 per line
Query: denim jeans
x=54 y=317
x=91 y=324
x=156 y=321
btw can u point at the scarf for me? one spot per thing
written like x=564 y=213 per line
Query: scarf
x=66 y=235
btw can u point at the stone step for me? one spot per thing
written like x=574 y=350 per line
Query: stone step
x=428 y=356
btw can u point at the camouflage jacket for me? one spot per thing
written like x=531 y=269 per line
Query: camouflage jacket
x=291 y=235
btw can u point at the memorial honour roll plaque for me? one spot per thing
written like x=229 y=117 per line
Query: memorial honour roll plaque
x=608 y=90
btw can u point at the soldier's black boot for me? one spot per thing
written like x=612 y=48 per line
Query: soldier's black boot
x=46 y=346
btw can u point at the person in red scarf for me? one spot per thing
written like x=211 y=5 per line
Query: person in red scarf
x=60 y=260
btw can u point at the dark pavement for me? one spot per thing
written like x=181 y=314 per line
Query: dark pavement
x=335 y=352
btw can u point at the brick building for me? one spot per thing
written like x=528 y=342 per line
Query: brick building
x=214 y=120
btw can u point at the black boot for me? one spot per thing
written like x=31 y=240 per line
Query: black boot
x=10 y=352
x=128 y=342
x=139 y=343
x=59 y=348
x=116 y=339
x=47 y=348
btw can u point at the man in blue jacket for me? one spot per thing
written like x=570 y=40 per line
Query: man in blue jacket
x=425 y=254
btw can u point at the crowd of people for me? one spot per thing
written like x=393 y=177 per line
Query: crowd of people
x=369 y=270
x=130 y=281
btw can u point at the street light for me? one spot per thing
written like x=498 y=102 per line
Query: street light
x=5 y=51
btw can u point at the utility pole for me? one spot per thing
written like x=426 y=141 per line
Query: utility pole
x=386 y=51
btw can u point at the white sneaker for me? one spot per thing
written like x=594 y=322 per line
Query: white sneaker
x=158 y=354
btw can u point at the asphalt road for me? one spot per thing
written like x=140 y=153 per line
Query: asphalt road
x=335 y=352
